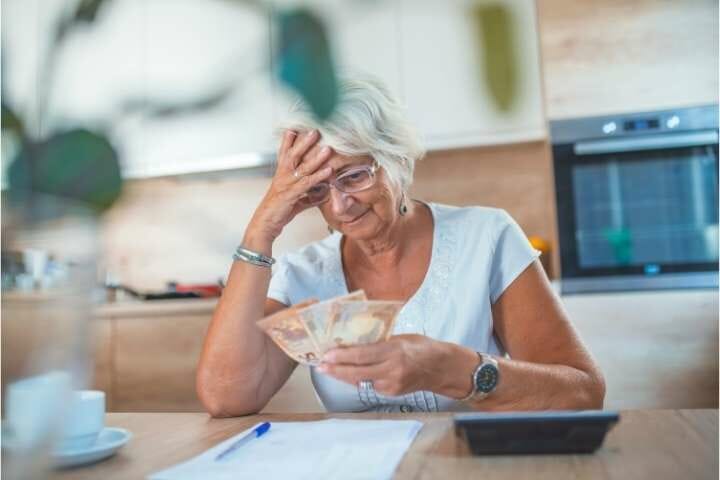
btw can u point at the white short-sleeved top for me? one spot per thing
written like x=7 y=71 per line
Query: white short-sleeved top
x=477 y=252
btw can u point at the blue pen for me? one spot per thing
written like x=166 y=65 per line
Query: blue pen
x=259 y=431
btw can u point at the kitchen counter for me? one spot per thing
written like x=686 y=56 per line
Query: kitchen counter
x=159 y=308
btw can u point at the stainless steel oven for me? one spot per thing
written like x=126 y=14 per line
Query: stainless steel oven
x=637 y=200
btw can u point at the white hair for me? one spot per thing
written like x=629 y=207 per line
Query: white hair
x=367 y=120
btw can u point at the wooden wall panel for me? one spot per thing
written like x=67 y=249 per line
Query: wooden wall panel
x=185 y=229
x=608 y=56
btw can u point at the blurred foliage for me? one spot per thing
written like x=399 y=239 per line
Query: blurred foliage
x=87 y=10
x=157 y=109
x=12 y=123
x=499 y=63
x=83 y=165
x=305 y=61
x=78 y=165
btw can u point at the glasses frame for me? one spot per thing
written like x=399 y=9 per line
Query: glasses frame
x=371 y=169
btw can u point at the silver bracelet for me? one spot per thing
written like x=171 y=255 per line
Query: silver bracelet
x=252 y=257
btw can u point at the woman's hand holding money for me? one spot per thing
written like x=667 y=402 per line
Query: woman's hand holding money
x=404 y=364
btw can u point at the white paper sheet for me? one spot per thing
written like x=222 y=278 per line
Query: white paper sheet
x=335 y=448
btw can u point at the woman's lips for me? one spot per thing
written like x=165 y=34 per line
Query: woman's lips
x=356 y=219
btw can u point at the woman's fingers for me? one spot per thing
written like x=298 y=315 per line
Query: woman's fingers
x=381 y=374
x=360 y=354
x=301 y=154
x=353 y=374
x=314 y=159
x=288 y=139
x=305 y=183
x=300 y=147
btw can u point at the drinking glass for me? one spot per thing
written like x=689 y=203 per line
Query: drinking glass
x=49 y=251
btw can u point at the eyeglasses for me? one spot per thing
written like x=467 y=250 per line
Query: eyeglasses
x=353 y=180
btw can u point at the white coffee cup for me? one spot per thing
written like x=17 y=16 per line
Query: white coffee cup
x=84 y=421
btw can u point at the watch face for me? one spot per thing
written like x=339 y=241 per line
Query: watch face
x=486 y=378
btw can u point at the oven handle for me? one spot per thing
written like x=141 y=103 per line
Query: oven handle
x=650 y=142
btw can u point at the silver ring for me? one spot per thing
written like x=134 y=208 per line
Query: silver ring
x=366 y=385
x=297 y=174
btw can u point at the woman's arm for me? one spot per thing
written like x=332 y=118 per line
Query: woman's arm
x=240 y=369
x=549 y=369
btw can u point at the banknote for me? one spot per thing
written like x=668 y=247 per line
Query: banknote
x=319 y=317
x=289 y=332
x=357 y=323
x=306 y=331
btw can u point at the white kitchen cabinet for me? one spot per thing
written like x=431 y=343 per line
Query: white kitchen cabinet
x=446 y=95
x=364 y=39
x=194 y=48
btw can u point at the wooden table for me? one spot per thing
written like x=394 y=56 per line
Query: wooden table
x=653 y=444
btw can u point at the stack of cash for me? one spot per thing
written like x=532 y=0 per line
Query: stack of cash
x=307 y=330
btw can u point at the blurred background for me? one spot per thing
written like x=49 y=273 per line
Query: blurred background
x=594 y=124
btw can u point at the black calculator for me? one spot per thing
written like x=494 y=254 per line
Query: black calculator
x=549 y=432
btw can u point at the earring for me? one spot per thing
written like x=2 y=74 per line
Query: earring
x=330 y=230
x=403 y=208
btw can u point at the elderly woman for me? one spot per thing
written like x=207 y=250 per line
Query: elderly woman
x=481 y=328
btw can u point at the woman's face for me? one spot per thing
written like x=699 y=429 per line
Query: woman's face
x=361 y=215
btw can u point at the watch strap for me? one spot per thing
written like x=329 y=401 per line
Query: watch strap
x=473 y=389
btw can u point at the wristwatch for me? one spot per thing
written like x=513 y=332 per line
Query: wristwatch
x=484 y=379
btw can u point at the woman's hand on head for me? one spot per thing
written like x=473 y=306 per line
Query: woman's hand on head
x=300 y=166
x=402 y=364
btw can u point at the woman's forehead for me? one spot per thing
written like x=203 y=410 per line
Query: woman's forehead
x=339 y=161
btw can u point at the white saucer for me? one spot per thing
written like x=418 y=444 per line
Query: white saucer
x=107 y=443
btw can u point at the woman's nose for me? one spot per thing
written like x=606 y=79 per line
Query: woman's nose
x=339 y=201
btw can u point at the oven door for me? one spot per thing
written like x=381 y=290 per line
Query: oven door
x=638 y=212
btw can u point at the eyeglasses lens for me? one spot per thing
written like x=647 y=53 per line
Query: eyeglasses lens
x=354 y=181
x=349 y=182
